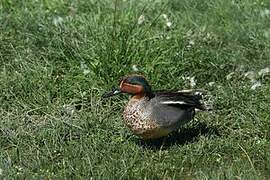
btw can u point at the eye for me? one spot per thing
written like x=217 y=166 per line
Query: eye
x=123 y=79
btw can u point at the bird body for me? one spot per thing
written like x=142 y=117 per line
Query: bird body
x=138 y=116
x=151 y=114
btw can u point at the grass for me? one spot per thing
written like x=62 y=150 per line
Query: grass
x=58 y=57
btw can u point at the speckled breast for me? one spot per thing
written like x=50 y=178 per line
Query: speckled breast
x=137 y=116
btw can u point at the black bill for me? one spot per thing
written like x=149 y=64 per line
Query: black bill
x=114 y=91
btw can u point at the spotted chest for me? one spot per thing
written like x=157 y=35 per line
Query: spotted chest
x=137 y=116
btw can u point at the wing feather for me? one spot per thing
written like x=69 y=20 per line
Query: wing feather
x=184 y=99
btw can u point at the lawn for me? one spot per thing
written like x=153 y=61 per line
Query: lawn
x=57 y=58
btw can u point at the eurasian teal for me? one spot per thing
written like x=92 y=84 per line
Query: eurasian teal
x=154 y=114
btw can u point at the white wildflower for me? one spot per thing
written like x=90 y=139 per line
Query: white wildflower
x=134 y=67
x=219 y=87
x=165 y=16
x=83 y=65
x=190 y=44
x=189 y=33
x=86 y=71
x=19 y=168
x=58 y=20
x=211 y=83
x=192 y=81
x=69 y=109
x=208 y=36
x=168 y=24
x=229 y=76
x=85 y=68
x=84 y=93
x=265 y=13
x=219 y=158
x=141 y=19
x=167 y=21
x=250 y=75
x=255 y=85
x=264 y=71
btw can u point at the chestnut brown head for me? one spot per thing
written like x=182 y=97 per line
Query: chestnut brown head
x=135 y=85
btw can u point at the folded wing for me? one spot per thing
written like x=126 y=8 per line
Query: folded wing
x=181 y=99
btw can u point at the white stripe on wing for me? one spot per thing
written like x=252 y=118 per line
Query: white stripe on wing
x=173 y=102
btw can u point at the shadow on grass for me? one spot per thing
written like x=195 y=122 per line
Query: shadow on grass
x=183 y=136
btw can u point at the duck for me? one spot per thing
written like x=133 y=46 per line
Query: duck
x=154 y=114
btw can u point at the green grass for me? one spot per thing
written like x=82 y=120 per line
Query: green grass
x=58 y=57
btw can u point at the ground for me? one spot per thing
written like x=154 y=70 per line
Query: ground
x=58 y=57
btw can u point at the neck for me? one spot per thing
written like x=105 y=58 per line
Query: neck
x=142 y=95
x=139 y=96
